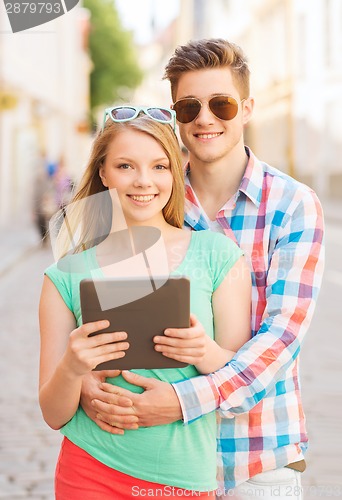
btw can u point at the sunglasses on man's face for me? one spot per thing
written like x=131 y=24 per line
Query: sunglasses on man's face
x=127 y=113
x=223 y=107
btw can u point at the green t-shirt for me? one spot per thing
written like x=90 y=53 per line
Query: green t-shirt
x=174 y=454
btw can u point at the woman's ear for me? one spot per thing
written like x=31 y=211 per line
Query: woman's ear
x=102 y=176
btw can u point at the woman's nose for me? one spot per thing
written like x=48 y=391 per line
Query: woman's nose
x=142 y=179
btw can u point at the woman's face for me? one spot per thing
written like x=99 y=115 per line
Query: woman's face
x=138 y=168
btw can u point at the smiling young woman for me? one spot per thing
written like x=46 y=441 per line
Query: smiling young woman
x=135 y=170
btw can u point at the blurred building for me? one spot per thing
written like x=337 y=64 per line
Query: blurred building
x=152 y=58
x=44 y=103
x=295 y=53
x=295 y=50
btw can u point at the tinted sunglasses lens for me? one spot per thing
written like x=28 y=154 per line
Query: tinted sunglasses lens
x=224 y=107
x=187 y=110
x=122 y=113
x=162 y=115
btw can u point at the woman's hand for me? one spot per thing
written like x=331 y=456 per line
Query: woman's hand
x=84 y=353
x=188 y=345
x=193 y=346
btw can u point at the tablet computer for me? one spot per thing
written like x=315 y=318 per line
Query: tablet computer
x=166 y=306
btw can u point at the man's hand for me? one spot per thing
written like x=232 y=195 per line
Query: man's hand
x=117 y=407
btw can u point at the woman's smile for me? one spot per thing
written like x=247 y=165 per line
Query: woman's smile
x=142 y=199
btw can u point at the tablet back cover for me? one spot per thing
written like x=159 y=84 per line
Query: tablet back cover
x=142 y=319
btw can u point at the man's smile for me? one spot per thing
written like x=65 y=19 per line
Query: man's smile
x=208 y=136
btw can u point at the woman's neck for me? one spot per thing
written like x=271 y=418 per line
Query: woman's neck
x=140 y=247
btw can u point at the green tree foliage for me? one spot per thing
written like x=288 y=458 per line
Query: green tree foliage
x=112 y=52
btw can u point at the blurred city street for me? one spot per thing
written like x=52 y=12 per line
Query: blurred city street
x=55 y=81
x=29 y=448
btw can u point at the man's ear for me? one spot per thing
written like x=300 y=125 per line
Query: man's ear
x=248 y=106
x=102 y=176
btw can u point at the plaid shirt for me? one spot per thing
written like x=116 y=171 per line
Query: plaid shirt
x=278 y=222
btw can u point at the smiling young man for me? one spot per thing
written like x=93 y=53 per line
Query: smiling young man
x=278 y=223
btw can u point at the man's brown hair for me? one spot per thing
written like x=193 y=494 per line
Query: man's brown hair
x=205 y=54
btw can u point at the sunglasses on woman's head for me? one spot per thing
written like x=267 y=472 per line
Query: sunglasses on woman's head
x=127 y=113
x=223 y=107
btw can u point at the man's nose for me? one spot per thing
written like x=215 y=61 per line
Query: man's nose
x=205 y=116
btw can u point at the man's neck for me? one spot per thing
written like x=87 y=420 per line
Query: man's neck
x=215 y=183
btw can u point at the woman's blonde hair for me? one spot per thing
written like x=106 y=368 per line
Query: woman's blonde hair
x=88 y=219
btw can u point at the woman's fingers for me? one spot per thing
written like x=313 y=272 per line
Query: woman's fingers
x=89 y=351
x=82 y=334
x=194 y=352
x=191 y=355
x=190 y=360
x=195 y=342
x=106 y=338
x=188 y=345
x=182 y=338
x=114 y=348
x=87 y=328
x=195 y=331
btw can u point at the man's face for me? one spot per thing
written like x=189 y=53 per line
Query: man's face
x=208 y=138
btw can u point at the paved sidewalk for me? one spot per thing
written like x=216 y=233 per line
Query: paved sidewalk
x=332 y=210
x=15 y=243
x=28 y=447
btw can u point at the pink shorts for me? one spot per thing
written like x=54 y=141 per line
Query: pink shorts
x=79 y=476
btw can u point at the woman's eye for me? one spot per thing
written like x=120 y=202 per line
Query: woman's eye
x=160 y=167
x=124 y=166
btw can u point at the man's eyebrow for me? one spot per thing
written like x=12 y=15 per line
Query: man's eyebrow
x=216 y=94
